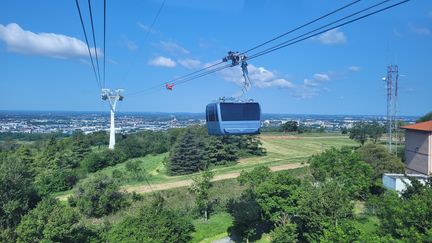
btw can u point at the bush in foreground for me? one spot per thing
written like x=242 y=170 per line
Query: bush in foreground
x=153 y=223
x=52 y=221
x=98 y=197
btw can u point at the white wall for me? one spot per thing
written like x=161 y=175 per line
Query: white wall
x=418 y=151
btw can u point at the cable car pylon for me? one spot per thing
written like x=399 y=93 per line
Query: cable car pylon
x=112 y=96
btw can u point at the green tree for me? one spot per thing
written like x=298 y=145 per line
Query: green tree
x=254 y=177
x=251 y=145
x=98 y=138
x=17 y=193
x=98 y=160
x=188 y=154
x=289 y=126
x=98 y=197
x=143 y=143
x=344 y=130
x=285 y=232
x=406 y=218
x=426 y=117
x=136 y=170
x=54 y=167
x=345 y=166
x=201 y=188
x=344 y=231
x=359 y=132
x=246 y=213
x=375 y=131
x=380 y=160
x=278 y=196
x=80 y=147
x=321 y=207
x=52 y=221
x=153 y=223
x=220 y=151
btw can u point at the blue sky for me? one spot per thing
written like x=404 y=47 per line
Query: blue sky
x=44 y=63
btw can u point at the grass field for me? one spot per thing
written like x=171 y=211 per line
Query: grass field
x=281 y=149
x=213 y=229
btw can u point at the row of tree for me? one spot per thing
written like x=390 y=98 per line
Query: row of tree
x=31 y=173
x=319 y=208
x=194 y=150
x=293 y=127
x=362 y=131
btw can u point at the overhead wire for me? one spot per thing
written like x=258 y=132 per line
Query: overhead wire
x=301 y=26
x=173 y=81
x=320 y=31
x=104 y=46
x=94 y=40
x=253 y=48
x=150 y=28
x=191 y=76
x=285 y=44
x=88 y=46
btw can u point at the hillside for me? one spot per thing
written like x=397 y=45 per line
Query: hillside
x=283 y=152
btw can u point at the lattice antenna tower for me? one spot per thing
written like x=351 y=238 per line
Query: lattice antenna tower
x=392 y=98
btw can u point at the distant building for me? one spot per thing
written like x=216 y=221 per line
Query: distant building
x=399 y=182
x=418 y=148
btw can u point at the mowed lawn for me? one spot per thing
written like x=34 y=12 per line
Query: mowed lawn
x=281 y=149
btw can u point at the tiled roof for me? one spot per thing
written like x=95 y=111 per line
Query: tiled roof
x=421 y=126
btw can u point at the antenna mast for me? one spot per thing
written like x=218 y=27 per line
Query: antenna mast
x=112 y=96
x=392 y=95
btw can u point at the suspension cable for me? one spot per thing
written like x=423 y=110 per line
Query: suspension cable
x=197 y=74
x=88 y=46
x=145 y=37
x=253 y=48
x=302 y=26
x=94 y=39
x=288 y=43
x=104 y=41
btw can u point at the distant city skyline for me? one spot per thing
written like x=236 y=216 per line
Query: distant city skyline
x=89 y=122
x=45 y=65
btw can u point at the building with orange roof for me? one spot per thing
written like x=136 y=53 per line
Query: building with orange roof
x=418 y=148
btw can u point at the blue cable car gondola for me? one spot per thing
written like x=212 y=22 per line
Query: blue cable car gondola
x=233 y=118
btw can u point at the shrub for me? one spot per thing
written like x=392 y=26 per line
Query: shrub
x=98 y=197
x=154 y=223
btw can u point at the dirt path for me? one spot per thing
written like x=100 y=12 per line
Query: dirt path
x=188 y=182
x=183 y=183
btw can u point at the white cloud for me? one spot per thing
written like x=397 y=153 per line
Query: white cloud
x=112 y=61
x=130 y=45
x=354 y=68
x=321 y=77
x=190 y=63
x=43 y=44
x=397 y=33
x=259 y=77
x=146 y=28
x=316 y=80
x=173 y=48
x=332 y=37
x=162 y=62
x=420 y=30
x=312 y=87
